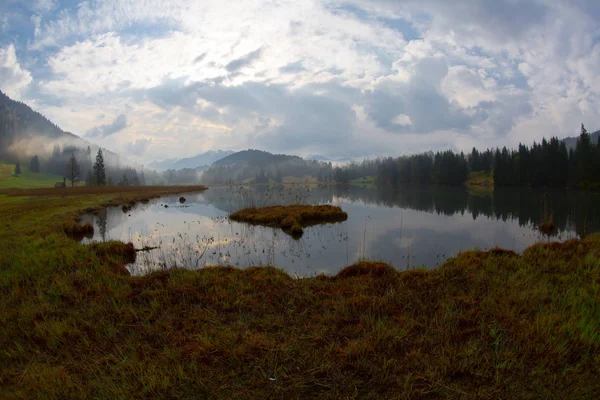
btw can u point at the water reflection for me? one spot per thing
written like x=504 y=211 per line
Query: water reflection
x=407 y=227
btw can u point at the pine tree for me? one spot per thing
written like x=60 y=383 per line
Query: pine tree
x=99 y=170
x=73 y=170
x=34 y=165
x=584 y=154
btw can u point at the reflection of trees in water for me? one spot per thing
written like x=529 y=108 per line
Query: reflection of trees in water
x=101 y=221
x=234 y=198
x=570 y=210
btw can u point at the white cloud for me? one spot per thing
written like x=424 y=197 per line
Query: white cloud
x=375 y=77
x=137 y=148
x=13 y=78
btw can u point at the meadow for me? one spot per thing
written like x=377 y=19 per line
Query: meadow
x=483 y=325
x=27 y=179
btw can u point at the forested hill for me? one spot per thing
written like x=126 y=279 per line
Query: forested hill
x=256 y=158
x=18 y=123
x=199 y=160
x=29 y=139
x=258 y=166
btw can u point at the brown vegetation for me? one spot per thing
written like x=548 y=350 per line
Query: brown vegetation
x=138 y=191
x=548 y=228
x=77 y=231
x=290 y=218
x=483 y=325
x=124 y=252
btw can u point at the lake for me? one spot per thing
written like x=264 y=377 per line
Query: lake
x=406 y=227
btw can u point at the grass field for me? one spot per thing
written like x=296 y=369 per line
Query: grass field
x=484 y=325
x=369 y=181
x=481 y=179
x=26 y=179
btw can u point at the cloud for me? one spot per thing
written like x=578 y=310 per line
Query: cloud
x=103 y=131
x=293 y=67
x=240 y=63
x=138 y=147
x=13 y=78
x=318 y=76
x=418 y=100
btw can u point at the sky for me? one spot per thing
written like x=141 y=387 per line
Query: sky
x=157 y=79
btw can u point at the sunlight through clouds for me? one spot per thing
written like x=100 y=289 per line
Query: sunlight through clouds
x=306 y=76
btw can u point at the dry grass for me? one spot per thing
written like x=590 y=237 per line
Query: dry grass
x=548 y=228
x=137 y=191
x=77 y=231
x=290 y=218
x=484 y=325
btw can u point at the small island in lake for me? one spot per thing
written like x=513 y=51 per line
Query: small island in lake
x=290 y=218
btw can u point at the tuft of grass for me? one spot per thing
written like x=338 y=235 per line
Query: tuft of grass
x=77 y=231
x=115 y=250
x=367 y=269
x=548 y=228
x=483 y=325
x=290 y=218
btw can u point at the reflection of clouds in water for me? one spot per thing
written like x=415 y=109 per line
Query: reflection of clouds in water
x=413 y=222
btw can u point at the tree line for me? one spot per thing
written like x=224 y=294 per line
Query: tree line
x=545 y=164
x=75 y=165
x=549 y=163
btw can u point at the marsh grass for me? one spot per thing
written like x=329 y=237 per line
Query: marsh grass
x=483 y=325
x=77 y=231
x=290 y=218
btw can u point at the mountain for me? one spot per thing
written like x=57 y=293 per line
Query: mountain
x=24 y=131
x=571 y=142
x=262 y=167
x=199 y=160
x=255 y=158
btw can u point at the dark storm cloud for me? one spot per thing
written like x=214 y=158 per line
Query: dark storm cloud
x=103 y=131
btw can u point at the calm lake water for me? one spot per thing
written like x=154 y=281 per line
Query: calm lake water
x=407 y=227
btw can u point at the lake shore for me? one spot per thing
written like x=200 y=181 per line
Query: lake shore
x=483 y=324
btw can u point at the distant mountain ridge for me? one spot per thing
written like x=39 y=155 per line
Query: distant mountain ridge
x=199 y=160
x=571 y=142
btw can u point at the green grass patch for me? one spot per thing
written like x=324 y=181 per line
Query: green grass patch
x=367 y=181
x=483 y=325
x=481 y=180
x=27 y=179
